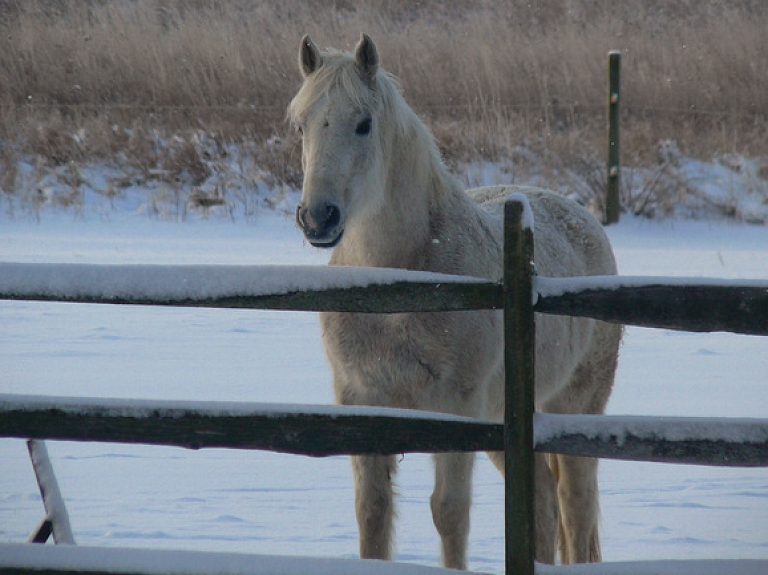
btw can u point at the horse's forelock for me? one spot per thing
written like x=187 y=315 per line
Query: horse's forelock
x=338 y=70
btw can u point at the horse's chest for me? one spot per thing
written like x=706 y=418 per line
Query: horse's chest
x=376 y=356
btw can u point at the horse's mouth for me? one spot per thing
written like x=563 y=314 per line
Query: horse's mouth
x=332 y=243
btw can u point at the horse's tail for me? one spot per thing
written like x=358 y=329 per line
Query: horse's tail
x=595 y=553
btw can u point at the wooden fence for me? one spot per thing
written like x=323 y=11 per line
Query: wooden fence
x=684 y=304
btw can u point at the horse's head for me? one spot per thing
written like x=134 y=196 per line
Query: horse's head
x=337 y=112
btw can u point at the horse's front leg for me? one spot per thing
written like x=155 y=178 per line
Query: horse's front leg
x=451 y=501
x=374 y=505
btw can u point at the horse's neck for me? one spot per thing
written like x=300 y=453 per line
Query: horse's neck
x=420 y=194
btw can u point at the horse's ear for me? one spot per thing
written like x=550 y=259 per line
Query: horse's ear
x=309 y=56
x=366 y=58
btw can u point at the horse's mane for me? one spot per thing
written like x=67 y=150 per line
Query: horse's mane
x=338 y=70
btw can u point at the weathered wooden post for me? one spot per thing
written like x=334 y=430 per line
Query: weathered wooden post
x=519 y=391
x=612 y=187
x=56 y=520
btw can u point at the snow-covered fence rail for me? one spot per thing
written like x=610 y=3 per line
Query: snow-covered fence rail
x=314 y=430
x=296 y=288
x=691 y=304
x=715 y=441
x=321 y=431
x=687 y=304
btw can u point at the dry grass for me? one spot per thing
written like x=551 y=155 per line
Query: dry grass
x=101 y=78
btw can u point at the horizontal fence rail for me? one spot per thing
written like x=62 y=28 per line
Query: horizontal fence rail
x=321 y=431
x=314 y=430
x=715 y=441
x=691 y=304
x=297 y=288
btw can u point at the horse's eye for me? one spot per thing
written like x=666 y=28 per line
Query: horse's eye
x=364 y=127
x=300 y=130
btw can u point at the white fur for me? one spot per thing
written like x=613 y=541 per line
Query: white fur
x=394 y=204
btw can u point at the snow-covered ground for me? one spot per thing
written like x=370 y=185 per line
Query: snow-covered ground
x=259 y=502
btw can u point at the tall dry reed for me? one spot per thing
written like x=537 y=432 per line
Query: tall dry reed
x=487 y=74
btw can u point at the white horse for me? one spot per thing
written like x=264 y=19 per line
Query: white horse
x=378 y=193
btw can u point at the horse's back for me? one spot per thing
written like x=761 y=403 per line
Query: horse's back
x=568 y=239
x=574 y=352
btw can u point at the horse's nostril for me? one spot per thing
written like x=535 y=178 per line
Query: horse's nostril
x=332 y=216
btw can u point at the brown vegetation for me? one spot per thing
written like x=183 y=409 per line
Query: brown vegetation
x=101 y=78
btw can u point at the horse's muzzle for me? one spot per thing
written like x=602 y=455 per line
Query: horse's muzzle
x=321 y=224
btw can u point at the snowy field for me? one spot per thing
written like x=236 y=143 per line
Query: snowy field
x=259 y=502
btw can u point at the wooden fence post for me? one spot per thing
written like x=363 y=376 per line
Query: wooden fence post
x=56 y=520
x=519 y=392
x=612 y=188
